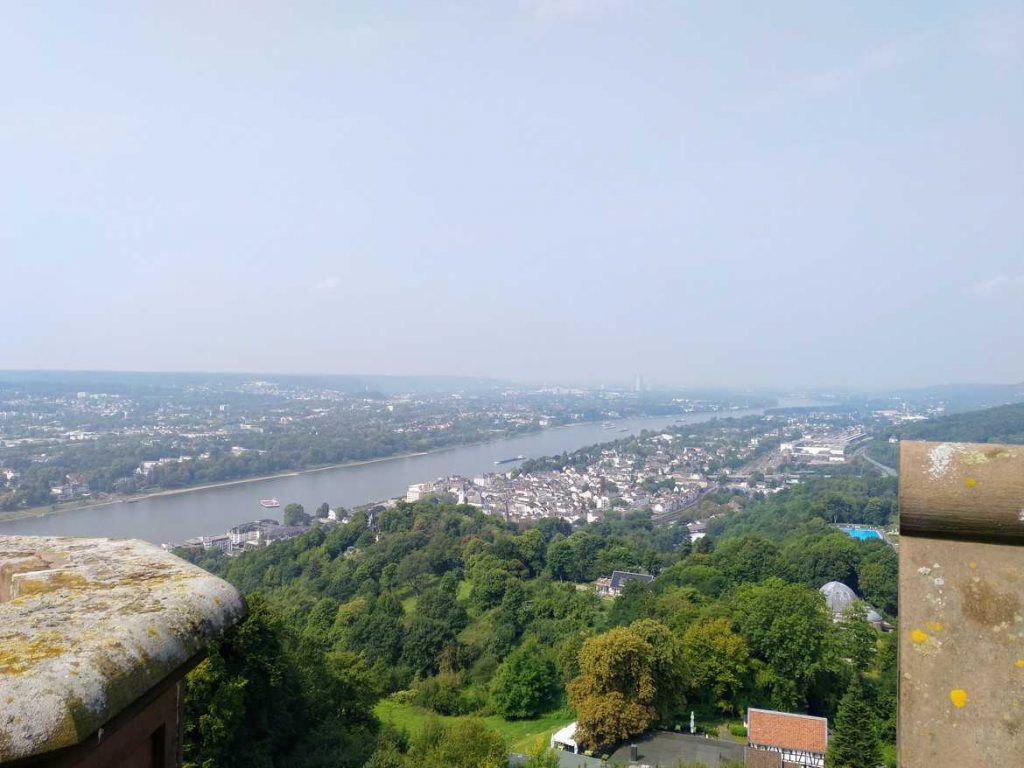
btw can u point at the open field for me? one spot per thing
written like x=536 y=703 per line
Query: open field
x=521 y=735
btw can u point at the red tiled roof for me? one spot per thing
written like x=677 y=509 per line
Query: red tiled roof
x=787 y=731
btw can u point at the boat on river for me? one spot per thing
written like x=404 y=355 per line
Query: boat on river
x=520 y=457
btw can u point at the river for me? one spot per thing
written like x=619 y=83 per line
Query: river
x=206 y=511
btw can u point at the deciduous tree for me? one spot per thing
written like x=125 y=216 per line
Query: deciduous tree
x=467 y=744
x=718 y=661
x=615 y=692
x=525 y=682
x=294 y=514
x=785 y=625
x=541 y=756
x=878 y=578
x=858 y=640
x=671 y=677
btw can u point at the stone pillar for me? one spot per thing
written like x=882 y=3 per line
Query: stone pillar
x=961 y=549
x=96 y=636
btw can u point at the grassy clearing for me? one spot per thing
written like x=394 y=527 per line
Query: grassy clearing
x=521 y=735
x=411 y=598
x=409 y=604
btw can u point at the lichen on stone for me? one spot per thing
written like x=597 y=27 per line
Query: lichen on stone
x=89 y=625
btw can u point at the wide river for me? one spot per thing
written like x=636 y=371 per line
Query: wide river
x=206 y=511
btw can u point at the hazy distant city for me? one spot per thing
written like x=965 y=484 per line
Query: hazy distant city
x=81 y=438
x=76 y=440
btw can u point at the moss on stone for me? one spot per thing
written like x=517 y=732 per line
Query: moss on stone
x=18 y=654
x=95 y=624
x=51 y=581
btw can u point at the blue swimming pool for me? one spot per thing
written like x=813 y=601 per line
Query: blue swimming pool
x=863 y=533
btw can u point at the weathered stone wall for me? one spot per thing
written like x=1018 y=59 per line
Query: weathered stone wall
x=88 y=626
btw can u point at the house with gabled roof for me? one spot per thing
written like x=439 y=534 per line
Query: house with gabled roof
x=793 y=740
x=612 y=587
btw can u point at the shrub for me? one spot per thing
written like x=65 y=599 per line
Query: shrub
x=525 y=683
x=442 y=694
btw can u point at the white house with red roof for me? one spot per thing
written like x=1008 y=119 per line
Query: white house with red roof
x=799 y=740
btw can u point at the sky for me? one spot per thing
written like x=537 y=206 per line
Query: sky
x=705 y=193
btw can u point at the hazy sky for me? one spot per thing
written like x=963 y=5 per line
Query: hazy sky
x=704 y=192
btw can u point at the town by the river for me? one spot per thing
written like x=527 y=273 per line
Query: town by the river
x=178 y=516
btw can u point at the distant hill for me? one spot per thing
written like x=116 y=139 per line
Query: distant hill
x=966 y=397
x=954 y=398
x=949 y=398
x=1003 y=424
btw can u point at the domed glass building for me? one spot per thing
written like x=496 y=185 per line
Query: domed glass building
x=840 y=597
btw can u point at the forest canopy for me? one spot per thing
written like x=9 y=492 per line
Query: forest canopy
x=440 y=609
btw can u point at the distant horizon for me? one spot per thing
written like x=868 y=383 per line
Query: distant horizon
x=782 y=389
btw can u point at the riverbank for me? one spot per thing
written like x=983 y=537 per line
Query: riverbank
x=48 y=510
x=136 y=497
x=164 y=516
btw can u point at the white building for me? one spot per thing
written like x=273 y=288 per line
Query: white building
x=417 y=491
x=698 y=530
x=565 y=739
x=801 y=740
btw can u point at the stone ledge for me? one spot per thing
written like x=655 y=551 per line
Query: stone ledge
x=87 y=626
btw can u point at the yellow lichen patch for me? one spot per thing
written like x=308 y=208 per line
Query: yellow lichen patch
x=973 y=458
x=935 y=626
x=970 y=482
x=918 y=636
x=98 y=621
x=18 y=655
x=50 y=581
x=959 y=697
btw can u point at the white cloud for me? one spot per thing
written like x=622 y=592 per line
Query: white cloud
x=329 y=283
x=997 y=284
